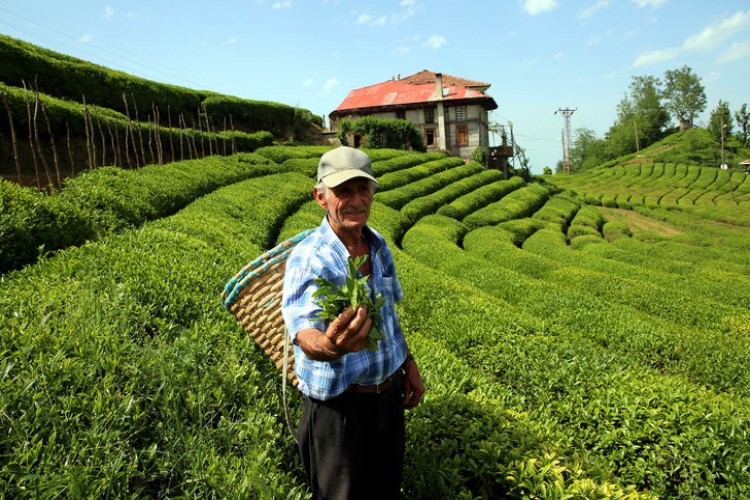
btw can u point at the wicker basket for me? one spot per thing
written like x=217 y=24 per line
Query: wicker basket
x=253 y=295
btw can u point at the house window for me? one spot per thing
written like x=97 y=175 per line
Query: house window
x=462 y=135
x=401 y=114
x=429 y=115
x=429 y=136
x=461 y=114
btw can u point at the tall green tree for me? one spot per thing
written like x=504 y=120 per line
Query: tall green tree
x=720 y=121
x=684 y=95
x=743 y=125
x=650 y=117
x=622 y=137
x=586 y=151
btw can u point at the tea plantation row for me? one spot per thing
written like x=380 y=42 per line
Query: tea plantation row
x=565 y=354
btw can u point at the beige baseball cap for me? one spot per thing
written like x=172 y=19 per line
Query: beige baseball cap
x=342 y=164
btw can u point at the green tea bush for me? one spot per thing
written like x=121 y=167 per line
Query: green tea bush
x=125 y=376
x=400 y=196
x=109 y=199
x=482 y=196
x=428 y=204
x=517 y=204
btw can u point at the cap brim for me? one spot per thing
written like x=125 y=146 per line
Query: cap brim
x=336 y=178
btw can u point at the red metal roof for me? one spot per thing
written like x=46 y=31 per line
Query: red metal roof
x=426 y=76
x=400 y=92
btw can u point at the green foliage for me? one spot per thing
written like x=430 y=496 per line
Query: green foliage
x=612 y=364
x=71 y=79
x=479 y=155
x=684 y=95
x=109 y=199
x=123 y=378
x=383 y=133
x=334 y=299
x=720 y=122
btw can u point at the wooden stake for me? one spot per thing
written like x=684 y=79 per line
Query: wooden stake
x=169 y=122
x=16 y=158
x=129 y=129
x=52 y=143
x=70 y=151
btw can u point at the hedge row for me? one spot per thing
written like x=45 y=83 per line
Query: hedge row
x=70 y=78
x=430 y=203
x=422 y=170
x=94 y=136
x=400 y=196
x=469 y=203
x=663 y=433
x=124 y=377
x=517 y=204
x=560 y=209
x=108 y=199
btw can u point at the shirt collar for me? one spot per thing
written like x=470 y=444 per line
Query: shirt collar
x=367 y=231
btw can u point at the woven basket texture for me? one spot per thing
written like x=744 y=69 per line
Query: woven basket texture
x=253 y=295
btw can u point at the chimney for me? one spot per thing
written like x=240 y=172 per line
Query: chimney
x=439 y=85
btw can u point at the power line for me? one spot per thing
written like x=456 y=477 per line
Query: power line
x=63 y=31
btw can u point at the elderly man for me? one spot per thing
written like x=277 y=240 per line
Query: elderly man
x=351 y=434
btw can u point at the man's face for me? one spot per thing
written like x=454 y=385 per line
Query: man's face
x=348 y=204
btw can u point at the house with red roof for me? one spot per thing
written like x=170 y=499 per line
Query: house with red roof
x=451 y=112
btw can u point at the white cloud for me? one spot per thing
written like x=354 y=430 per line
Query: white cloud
x=737 y=51
x=283 y=4
x=371 y=20
x=534 y=7
x=435 y=42
x=709 y=38
x=233 y=40
x=331 y=84
x=593 y=41
x=401 y=50
x=588 y=12
x=714 y=35
x=559 y=56
x=610 y=76
x=308 y=83
x=108 y=12
x=650 y=3
x=655 y=56
x=379 y=21
x=85 y=38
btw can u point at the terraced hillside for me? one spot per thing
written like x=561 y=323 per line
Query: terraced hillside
x=582 y=337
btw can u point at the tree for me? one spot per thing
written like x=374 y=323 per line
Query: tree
x=587 y=151
x=720 y=121
x=743 y=118
x=684 y=95
x=650 y=118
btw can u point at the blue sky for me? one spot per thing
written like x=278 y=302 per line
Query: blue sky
x=538 y=55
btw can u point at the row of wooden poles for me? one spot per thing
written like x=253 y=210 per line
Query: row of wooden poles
x=136 y=152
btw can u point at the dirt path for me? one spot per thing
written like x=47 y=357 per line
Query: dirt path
x=637 y=222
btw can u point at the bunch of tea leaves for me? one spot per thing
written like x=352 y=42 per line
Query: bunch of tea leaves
x=334 y=299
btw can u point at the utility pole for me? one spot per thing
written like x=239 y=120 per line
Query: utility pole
x=567 y=112
x=723 y=155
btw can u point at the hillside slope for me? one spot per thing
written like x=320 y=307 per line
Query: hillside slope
x=569 y=347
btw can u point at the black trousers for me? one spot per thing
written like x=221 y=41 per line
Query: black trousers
x=352 y=446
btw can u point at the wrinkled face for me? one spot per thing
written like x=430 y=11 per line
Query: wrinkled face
x=348 y=204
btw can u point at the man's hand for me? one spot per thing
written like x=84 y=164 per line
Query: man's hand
x=347 y=333
x=413 y=386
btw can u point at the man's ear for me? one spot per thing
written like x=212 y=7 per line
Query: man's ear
x=320 y=198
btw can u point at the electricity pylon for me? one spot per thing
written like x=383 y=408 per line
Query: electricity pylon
x=567 y=112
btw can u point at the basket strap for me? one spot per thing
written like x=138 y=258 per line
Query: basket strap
x=284 y=384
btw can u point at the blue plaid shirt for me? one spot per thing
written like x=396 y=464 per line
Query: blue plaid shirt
x=322 y=254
